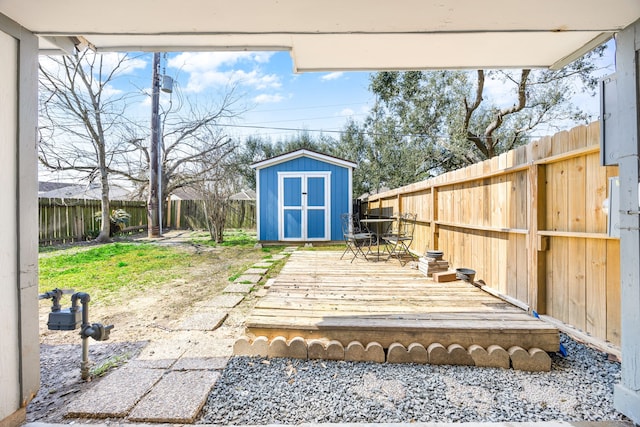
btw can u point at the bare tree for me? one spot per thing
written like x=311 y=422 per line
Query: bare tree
x=218 y=184
x=85 y=128
x=83 y=124
x=194 y=145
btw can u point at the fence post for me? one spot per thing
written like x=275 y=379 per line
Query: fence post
x=535 y=245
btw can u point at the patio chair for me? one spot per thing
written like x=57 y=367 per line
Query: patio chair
x=355 y=236
x=400 y=238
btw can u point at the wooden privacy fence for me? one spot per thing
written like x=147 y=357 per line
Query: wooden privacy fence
x=190 y=214
x=531 y=223
x=72 y=220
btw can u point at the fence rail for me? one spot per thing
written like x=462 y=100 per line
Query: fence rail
x=531 y=223
x=73 y=220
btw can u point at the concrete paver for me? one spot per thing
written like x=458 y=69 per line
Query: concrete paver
x=248 y=278
x=222 y=301
x=238 y=288
x=116 y=394
x=152 y=363
x=200 y=363
x=177 y=398
x=166 y=349
x=204 y=321
x=254 y=270
x=210 y=346
x=263 y=264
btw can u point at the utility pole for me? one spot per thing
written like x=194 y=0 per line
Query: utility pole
x=153 y=224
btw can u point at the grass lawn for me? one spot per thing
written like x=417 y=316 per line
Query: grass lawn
x=111 y=272
x=109 y=269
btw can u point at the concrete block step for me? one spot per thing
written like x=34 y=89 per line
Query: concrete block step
x=177 y=398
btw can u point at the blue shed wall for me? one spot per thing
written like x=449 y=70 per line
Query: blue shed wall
x=340 y=197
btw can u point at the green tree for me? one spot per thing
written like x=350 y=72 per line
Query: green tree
x=455 y=118
x=256 y=149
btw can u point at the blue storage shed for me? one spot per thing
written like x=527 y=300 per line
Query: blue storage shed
x=301 y=195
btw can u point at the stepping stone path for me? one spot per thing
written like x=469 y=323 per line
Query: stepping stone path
x=170 y=380
x=116 y=394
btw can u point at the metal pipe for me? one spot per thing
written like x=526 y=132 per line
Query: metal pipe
x=84 y=299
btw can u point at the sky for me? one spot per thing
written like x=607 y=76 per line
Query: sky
x=275 y=102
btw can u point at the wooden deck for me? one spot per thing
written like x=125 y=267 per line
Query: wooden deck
x=317 y=295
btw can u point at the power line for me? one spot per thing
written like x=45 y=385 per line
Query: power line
x=281 y=128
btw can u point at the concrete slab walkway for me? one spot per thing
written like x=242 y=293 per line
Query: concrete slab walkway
x=171 y=379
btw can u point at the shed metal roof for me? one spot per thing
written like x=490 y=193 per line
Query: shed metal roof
x=303 y=153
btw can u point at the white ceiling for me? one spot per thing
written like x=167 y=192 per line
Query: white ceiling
x=340 y=34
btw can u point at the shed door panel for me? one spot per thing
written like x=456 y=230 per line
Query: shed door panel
x=316 y=208
x=292 y=205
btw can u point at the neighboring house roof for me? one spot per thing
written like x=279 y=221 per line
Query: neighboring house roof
x=46 y=186
x=60 y=190
x=244 y=195
x=186 y=193
x=303 y=153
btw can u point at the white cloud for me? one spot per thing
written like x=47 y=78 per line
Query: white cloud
x=332 y=76
x=268 y=99
x=109 y=91
x=215 y=69
x=110 y=61
x=128 y=66
x=200 y=81
x=347 y=112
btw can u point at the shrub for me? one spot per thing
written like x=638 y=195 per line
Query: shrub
x=119 y=219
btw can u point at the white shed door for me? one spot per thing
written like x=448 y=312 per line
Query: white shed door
x=304 y=206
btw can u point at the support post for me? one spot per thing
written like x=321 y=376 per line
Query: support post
x=627 y=392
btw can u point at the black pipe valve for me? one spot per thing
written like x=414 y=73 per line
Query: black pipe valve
x=97 y=331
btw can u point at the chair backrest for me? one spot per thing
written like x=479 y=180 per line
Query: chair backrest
x=407 y=224
x=347 y=224
x=351 y=223
x=394 y=227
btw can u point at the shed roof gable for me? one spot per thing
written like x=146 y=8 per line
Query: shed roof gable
x=303 y=153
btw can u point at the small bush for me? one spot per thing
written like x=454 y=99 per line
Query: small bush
x=118 y=219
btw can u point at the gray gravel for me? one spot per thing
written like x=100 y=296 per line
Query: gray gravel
x=288 y=391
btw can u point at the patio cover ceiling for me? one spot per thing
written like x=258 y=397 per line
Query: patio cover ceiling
x=339 y=34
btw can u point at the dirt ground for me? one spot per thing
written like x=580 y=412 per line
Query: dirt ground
x=137 y=321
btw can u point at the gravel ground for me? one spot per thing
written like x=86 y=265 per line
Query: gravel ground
x=286 y=391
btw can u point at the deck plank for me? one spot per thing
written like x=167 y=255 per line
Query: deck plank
x=317 y=295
